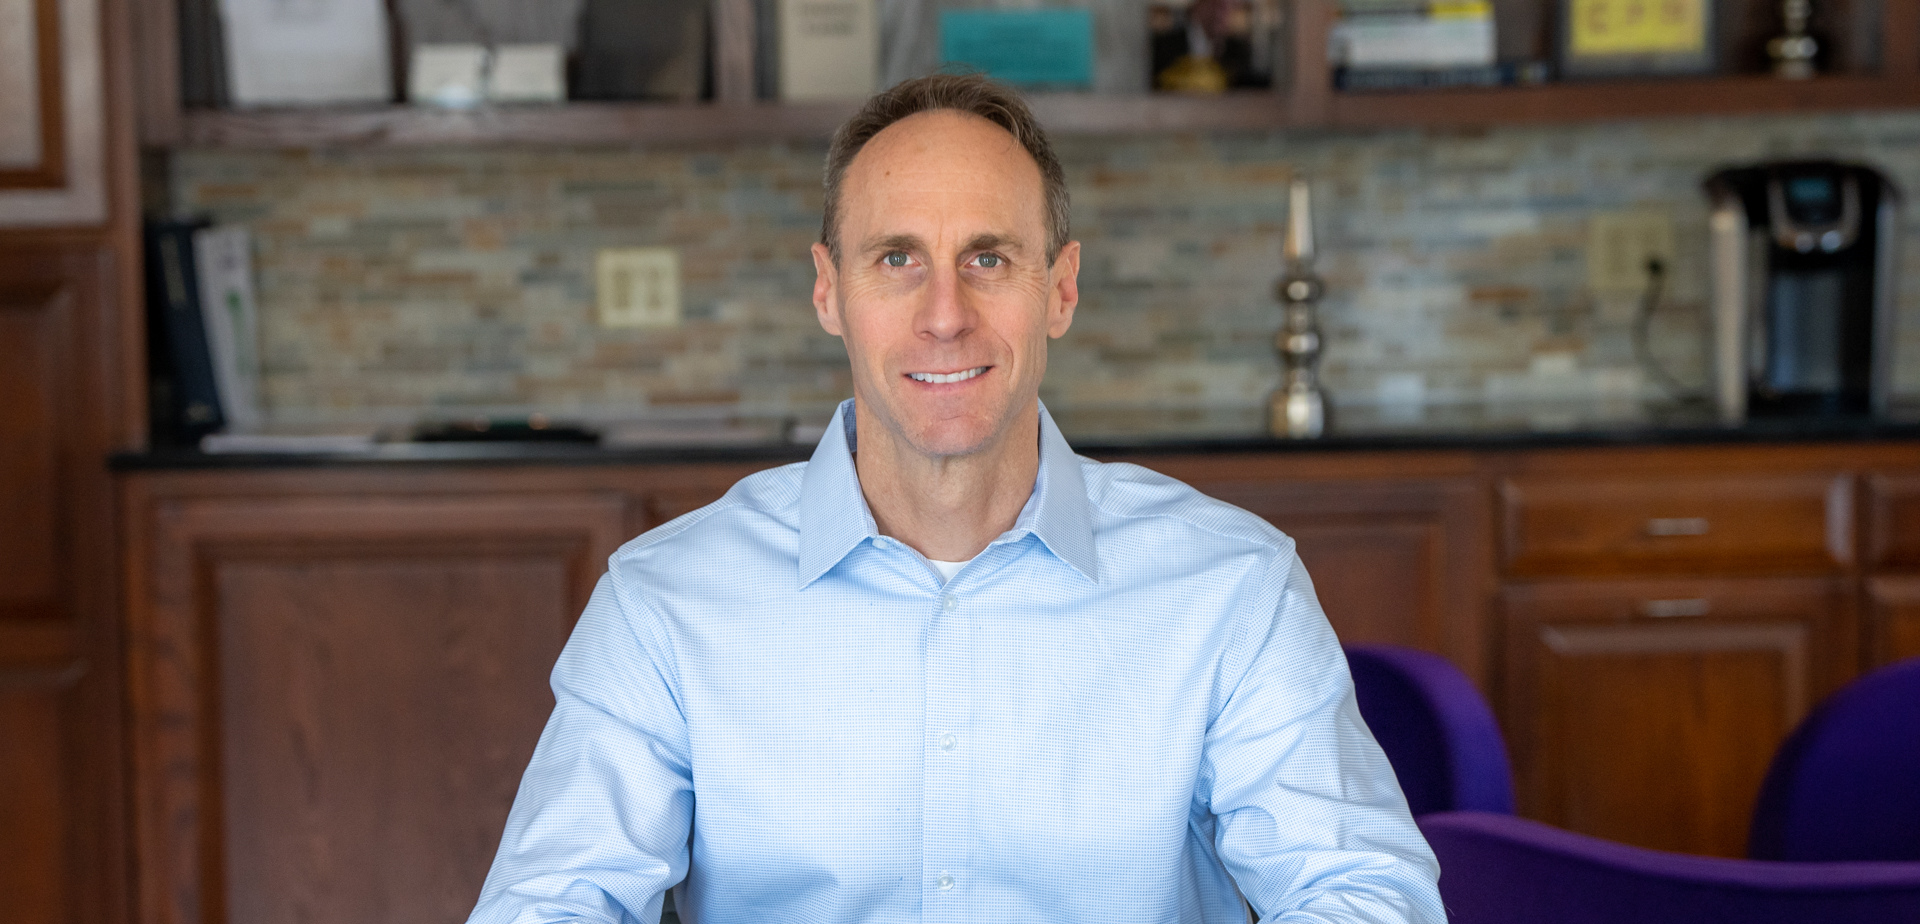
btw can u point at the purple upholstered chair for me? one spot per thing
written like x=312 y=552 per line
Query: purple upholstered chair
x=1846 y=784
x=1501 y=869
x=1438 y=733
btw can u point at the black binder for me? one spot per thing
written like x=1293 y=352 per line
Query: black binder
x=184 y=399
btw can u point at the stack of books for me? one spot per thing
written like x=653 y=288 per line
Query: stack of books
x=1409 y=44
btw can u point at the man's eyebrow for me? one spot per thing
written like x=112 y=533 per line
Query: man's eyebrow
x=995 y=242
x=892 y=242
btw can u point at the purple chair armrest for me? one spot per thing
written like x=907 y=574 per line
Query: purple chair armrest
x=1501 y=869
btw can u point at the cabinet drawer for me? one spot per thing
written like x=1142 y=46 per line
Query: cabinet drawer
x=1752 y=524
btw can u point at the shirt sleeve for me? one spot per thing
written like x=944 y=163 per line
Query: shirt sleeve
x=600 y=826
x=1309 y=818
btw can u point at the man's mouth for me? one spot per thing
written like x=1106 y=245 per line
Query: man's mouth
x=946 y=378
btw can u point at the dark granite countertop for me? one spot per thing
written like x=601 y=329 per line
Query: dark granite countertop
x=1124 y=432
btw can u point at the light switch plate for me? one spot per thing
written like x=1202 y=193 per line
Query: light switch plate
x=637 y=286
x=1619 y=244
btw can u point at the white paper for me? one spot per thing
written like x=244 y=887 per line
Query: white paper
x=829 y=49
x=305 y=52
x=288 y=444
x=19 y=85
x=446 y=75
x=223 y=258
x=534 y=73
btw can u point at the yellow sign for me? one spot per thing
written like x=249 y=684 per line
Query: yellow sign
x=1624 y=27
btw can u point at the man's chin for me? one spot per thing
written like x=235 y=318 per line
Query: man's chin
x=952 y=442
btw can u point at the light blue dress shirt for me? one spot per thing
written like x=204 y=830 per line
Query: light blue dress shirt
x=1127 y=704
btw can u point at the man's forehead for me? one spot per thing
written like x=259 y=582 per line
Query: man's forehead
x=941 y=137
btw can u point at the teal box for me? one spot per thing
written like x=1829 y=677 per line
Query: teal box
x=1050 y=47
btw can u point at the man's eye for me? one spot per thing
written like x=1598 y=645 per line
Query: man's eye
x=895 y=259
x=988 y=260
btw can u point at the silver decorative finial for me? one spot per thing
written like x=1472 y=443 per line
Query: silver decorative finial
x=1298 y=408
x=1793 y=52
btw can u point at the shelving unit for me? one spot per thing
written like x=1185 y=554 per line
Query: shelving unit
x=1308 y=101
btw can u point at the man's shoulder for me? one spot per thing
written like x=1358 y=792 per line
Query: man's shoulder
x=761 y=505
x=1123 y=492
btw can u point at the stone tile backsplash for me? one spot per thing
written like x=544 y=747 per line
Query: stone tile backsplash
x=395 y=285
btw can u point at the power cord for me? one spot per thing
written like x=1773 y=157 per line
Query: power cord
x=1642 y=334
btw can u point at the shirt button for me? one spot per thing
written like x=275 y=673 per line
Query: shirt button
x=947 y=741
x=949 y=604
x=945 y=882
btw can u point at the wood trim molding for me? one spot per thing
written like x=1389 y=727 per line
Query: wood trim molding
x=50 y=172
x=79 y=112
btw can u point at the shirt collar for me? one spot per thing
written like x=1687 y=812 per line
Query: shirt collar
x=834 y=517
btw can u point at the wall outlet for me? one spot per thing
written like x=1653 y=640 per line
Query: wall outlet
x=1619 y=244
x=637 y=286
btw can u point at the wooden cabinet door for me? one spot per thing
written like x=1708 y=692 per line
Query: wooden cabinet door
x=1647 y=711
x=335 y=695
x=60 y=802
x=1400 y=561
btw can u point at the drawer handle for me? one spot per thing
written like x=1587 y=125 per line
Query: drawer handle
x=1673 y=609
x=1677 y=526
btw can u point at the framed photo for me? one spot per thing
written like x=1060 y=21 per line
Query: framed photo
x=1632 y=38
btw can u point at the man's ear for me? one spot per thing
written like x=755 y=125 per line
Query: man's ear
x=1064 y=295
x=826 y=285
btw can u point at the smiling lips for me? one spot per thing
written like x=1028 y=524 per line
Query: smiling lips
x=946 y=378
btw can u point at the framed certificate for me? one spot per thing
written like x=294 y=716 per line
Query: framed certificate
x=1625 y=38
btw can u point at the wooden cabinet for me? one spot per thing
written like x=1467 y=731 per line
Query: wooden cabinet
x=1669 y=617
x=337 y=673
x=1645 y=711
x=338 y=678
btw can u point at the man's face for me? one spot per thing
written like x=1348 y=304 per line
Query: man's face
x=942 y=292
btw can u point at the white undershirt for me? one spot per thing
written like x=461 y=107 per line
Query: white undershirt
x=947 y=569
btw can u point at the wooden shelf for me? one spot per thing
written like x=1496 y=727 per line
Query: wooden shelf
x=1064 y=113
x=669 y=123
x=1635 y=99
x=1310 y=103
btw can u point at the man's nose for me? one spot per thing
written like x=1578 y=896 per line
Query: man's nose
x=947 y=311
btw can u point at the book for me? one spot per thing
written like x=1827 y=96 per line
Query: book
x=1044 y=48
x=1449 y=33
x=829 y=49
x=306 y=52
x=203 y=58
x=223 y=256
x=641 y=49
x=185 y=398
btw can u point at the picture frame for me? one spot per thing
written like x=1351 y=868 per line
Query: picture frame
x=1636 y=38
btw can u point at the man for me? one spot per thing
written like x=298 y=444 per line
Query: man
x=946 y=670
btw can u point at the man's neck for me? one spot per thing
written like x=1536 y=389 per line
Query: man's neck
x=950 y=507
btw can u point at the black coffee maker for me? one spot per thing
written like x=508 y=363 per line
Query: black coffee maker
x=1803 y=261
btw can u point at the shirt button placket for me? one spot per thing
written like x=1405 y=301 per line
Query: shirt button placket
x=946 y=795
